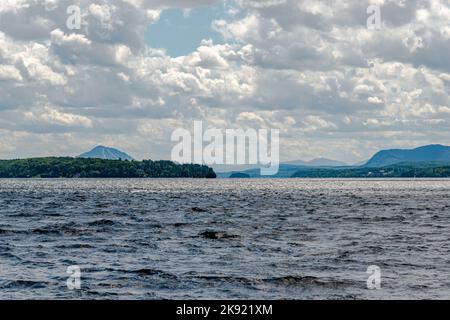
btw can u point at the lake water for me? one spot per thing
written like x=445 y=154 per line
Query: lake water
x=214 y=239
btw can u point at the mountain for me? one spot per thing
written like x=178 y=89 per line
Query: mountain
x=286 y=169
x=105 y=153
x=430 y=153
x=360 y=163
x=319 y=162
x=427 y=161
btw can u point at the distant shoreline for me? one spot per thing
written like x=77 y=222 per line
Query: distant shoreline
x=237 y=179
x=396 y=171
x=93 y=168
x=401 y=170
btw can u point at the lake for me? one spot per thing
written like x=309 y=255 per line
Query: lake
x=224 y=239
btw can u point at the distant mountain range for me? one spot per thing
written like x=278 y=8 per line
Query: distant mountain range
x=430 y=153
x=320 y=162
x=226 y=170
x=431 y=156
x=106 y=153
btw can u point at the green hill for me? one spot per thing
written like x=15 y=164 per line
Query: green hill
x=100 y=168
x=434 y=152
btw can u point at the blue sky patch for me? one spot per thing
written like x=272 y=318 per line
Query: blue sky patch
x=180 y=32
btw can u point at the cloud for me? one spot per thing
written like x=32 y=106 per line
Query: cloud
x=52 y=116
x=311 y=69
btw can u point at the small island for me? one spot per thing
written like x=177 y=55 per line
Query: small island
x=67 y=167
x=239 y=175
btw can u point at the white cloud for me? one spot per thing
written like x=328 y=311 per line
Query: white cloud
x=10 y=73
x=311 y=69
x=374 y=100
x=54 y=116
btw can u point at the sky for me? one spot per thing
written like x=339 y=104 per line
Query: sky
x=137 y=70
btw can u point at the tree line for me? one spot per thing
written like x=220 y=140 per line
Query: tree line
x=419 y=170
x=54 y=167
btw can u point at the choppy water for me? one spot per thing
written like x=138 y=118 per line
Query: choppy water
x=257 y=239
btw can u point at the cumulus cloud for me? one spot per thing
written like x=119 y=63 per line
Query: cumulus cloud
x=52 y=116
x=312 y=69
